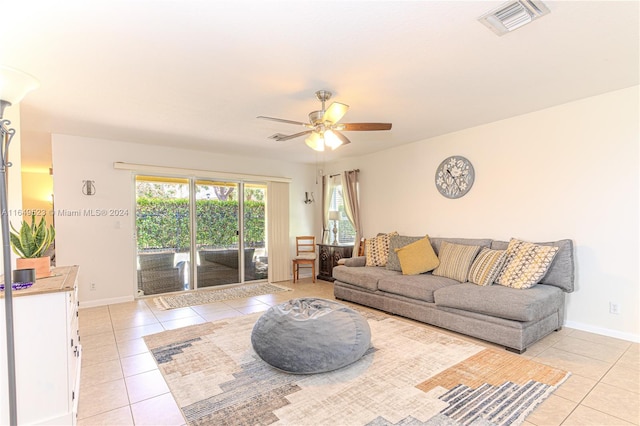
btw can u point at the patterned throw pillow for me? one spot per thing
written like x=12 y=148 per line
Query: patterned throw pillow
x=376 y=249
x=417 y=258
x=526 y=264
x=455 y=260
x=487 y=266
x=396 y=242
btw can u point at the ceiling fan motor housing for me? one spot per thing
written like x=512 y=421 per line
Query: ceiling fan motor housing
x=315 y=117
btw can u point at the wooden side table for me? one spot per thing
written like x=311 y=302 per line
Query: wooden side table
x=328 y=256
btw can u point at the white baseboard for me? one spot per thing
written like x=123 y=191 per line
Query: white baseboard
x=603 y=331
x=102 y=302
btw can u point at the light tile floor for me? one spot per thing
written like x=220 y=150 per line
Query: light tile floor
x=121 y=384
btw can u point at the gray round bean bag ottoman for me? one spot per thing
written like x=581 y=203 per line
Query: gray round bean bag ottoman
x=310 y=335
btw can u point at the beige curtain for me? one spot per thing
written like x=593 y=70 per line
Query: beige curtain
x=278 y=231
x=351 y=199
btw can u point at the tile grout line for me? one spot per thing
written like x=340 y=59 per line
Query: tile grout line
x=581 y=401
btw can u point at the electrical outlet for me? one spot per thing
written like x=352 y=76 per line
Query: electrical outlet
x=92 y=286
x=614 y=308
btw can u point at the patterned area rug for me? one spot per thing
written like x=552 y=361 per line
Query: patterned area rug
x=201 y=297
x=411 y=376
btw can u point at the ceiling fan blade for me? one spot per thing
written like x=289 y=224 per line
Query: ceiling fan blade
x=335 y=112
x=282 y=137
x=364 y=126
x=282 y=120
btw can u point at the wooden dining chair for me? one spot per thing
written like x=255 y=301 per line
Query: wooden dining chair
x=305 y=256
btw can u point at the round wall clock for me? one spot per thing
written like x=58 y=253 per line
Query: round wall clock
x=454 y=177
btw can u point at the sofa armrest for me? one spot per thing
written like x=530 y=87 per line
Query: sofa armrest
x=355 y=261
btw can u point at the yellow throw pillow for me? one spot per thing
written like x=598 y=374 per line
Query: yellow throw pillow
x=417 y=258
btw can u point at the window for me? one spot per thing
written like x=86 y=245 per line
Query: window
x=345 y=232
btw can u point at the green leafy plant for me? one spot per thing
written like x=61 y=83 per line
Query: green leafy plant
x=32 y=240
x=162 y=223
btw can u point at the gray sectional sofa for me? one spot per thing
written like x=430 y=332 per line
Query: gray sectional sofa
x=511 y=317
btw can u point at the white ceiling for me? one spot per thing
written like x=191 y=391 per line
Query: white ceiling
x=195 y=74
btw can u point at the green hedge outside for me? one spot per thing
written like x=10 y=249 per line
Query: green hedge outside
x=162 y=223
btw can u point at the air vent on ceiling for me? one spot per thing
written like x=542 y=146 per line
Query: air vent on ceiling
x=513 y=15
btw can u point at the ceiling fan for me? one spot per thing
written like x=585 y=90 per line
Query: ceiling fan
x=323 y=127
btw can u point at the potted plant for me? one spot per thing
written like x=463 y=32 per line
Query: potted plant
x=30 y=243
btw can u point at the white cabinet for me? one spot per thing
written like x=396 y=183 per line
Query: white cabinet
x=47 y=350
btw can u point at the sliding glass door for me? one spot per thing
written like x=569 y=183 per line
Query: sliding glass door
x=216 y=233
x=196 y=233
x=256 y=264
x=163 y=235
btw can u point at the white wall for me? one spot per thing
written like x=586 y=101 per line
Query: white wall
x=37 y=188
x=569 y=171
x=104 y=247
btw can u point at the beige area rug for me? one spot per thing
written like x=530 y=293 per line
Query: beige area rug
x=201 y=297
x=411 y=376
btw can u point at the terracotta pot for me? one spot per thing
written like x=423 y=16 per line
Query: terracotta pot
x=42 y=265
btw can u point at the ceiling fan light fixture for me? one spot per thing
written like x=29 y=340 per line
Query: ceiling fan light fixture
x=315 y=142
x=332 y=140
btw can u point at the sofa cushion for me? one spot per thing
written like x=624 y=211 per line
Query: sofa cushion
x=436 y=242
x=526 y=264
x=486 y=267
x=366 y=277
x=396 y=242
x=455 y=260
x=376 y=249
x=420 y=287
x=561 y=273
x=418 y=257
x=520 y=305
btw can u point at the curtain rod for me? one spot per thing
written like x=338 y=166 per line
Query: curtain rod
x=338 y=174
x=174 y=171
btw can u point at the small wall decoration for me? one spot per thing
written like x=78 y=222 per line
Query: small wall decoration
x=455 y=176
x=88 y=187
